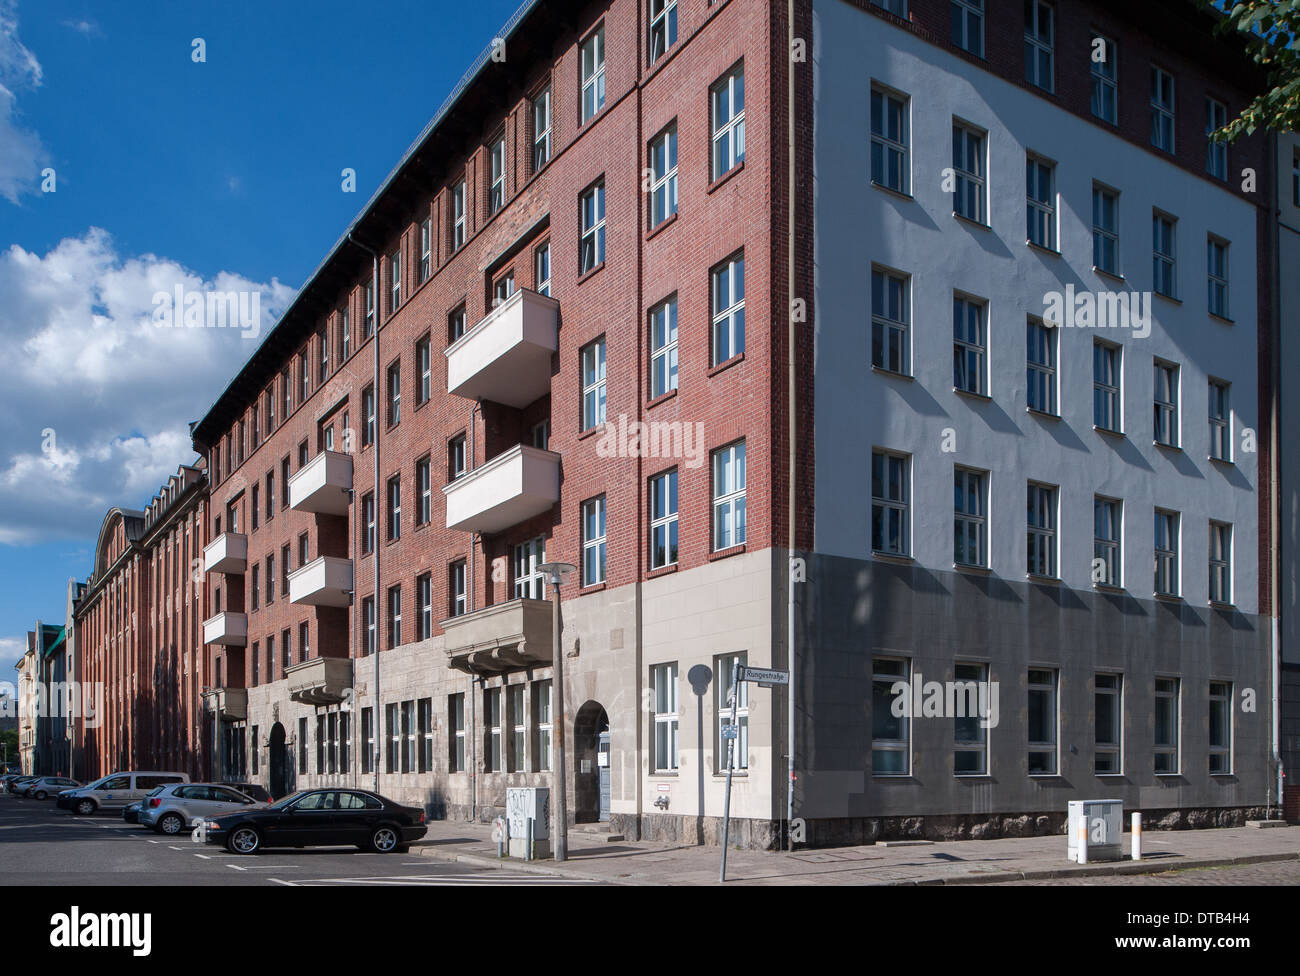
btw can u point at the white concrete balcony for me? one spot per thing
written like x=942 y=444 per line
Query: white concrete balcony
x=500 y=638
x=320 y=681
x=230 y=629
x=323 y=485
x=506 y=357
x=227 y=553
x=512 y=487
x=232 y=704
x=323 y=582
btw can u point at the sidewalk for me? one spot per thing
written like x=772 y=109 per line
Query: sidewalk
x=957 y=862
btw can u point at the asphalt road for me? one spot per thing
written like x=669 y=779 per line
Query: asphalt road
x=41 y=845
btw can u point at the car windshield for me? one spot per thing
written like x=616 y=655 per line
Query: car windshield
x=289 y=800
x=155 y=791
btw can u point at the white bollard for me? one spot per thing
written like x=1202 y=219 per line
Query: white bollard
x=1137 y=836
x=1082 y=831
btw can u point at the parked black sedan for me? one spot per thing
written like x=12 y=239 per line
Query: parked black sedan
x=312 y=818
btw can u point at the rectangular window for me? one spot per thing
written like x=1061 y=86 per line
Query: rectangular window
x=663 y=27
x=1220 y=727
x=890 y=503
x=970 y=736
x=284 y=484
x=257 y=654
x=593 y=73
x=891 y=746
x=304 y=641
x=518 y=757
x=889 y=321
x=367 y=416
x=1165 y=423
x=286 y=648
x=1108 y=725
x=370 y=310
x=456 y=457
x=255 y=589
x=728 y=298
x=1105 y=229
x=367 y=740
x=542 y=129
x=727 y=98
x=423 y=607
x=323 y=343
x=426 y=249
x=395 y=281
x=497 y=186
x=408 y=736
x=593 y=384
x=456 y=581
x=1105 y=79
x=345 y=334
x=663 y=176
x=504 y=288
x=270 y=580
x=724 y=667
x=1041 y=530
x=968 y=26
x=394 y=616
x=889 y=140
x=1220 y=421
x=1106 y=366
x=968 y=198
x=1107 y=523
x=394 y=394
x=593 y=541
x=541 y=435
x=542 y=269
x=424 y=487
x=968 y=346
x=1168 y=719
x=368 y=522
x=1218 y=276
x=303 y=746
x=970 y=517
x=424 y=729
x=1040 y=367
x=663 y=347
x=1042 y=722
x=1162 y=109
x=394 y=508
x=1216 y=152
x=368 y=621
x=255 y=507
x=729 y=496
x=1040 y=40
x=458 y=216
x=424 y=363
x=542 y=718
x=1166 y=547
x=1040 y=188
x=393 y=739
x=591 y=246
x=1220 y=562
x=1164 y=255
x=664 y=681
x=493 y=760
x=530 y=581
x=663 y=520
x=456 y=324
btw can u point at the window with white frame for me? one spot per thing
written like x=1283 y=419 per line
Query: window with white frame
x=543 y=724
x=1217 y=262
x=542 y=129
x=395 y=281
x=889 y=321
x=591 y=244
x=1040 y=530
x=1105 y=79
x=1168 y=719
x=1162 y=109
x=394 y=616
x=368 y=522
x=1040 y=43
x=969 y=345
x=1166 y=552
x=542 y=269
x=1106 y=366
x=408 y=736
x=1216 y=152
x=664 y=681
x=891 y=734
x=394 y=394
x=1105 y=229
x=724 y=667
x=540 y=435
x=1220 y=420
x=728 y=298
x=456 y=587
x=424 y=606
x=727 y=98
x=729 y=496
x=493 y=759
x=426 y=248
x=663 y=27
x=456 y=324
x=1040 y=202
x=1165 y=422
x=394 y=508
x=424 y=720
x=1108 y=724
x=424 y=363
x=968 y=196
x=1040 y=367
x=593 y=73
x=968 y=26
x=970 y=755
x=890 y=503
x=1042 y=722
x=530 y=581
x=345 y=340
x=1220 y=727
x=889 y=140
x=593 y=541
x=896 y=7
x=1107 y=541
x=593 y=384
x=497 y=175
x=663 y=347
x=1164 y=254
x=970 y=517
x=392 y=755
x=503 y=288
x=368 y=747
x=1220 y=562
x=370 y=316
x=518 y=756
x=663 y=176
x=368 y=616
x=663 y=519
x=456 y=733
x=323 y=344
x=458 y=215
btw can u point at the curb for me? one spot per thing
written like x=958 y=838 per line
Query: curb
x=506 y=863
x=1141 y=867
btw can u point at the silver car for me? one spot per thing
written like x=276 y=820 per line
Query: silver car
x=171 y=809
x=48 y=786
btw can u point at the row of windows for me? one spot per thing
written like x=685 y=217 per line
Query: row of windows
x=666 y=718
x=891 y=528
x=891 y=732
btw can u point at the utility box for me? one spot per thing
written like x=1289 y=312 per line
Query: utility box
x=525 y=806
x=1105 y=829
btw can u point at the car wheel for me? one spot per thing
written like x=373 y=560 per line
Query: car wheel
x=171 y=823
x=85 y=807
x=384 y=840
x=244 y=840
x=41 y=795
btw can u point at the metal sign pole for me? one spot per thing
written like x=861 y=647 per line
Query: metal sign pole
x=731 y=762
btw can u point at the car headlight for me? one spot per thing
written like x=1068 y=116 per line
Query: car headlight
x=211 y=825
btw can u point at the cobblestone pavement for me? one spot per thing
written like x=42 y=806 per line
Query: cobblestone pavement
x=1274 y=873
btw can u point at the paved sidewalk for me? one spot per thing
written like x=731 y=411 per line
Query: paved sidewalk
x=956 y=862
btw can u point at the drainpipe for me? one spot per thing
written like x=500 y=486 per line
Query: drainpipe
x=1275 y=474
x=790 y=426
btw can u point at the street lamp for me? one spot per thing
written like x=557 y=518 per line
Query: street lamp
x=557 y=572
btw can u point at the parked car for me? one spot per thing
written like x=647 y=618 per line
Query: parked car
x=17 y=785
x=311 y=818
x=171 y=809
x=8 y=778
x=116 y=790
x=45 y=786
x=257 y=792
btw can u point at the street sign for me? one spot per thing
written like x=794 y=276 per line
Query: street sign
x=765 y=677
x=730 y=731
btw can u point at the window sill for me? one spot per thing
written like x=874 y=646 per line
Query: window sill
x=889 y=557
x=1167 y=298
x=1215 y=604
x=1053 y=252
x=1226 y=462
x=1229 y=773
x=984 y=397
x=1034 y=411
x=664 y=774
x=1222 y=318
x=726 y=364
x=661 y=571
x=1109 y=775
x=1168 y=598
x=721 y=774
x=661 y=398
x=660 y=227
x=885 y=371
x=593 y=587
x=972 y=776
x=901 y=194
x=1041 y=776
x=1168 y=447
x=735 y=550
x=978 y=224
x=1113 y=275
x=591 y=431
x=590 y=273
x=1109 y=588
x=972 y=569
x=725 y=177
x=1169 y=775
x=1047 y=580
x=1110 y=433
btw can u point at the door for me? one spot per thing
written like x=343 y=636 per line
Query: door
x=602 y=766
x=279 y=759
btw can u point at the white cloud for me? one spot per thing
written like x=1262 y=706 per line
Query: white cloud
x=11 y=649
x=21 y=152
x=97 y=400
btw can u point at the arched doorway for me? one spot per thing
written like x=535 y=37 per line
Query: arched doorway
x=279 y=762
x=591 y=772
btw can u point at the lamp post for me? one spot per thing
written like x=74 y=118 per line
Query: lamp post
x=212 y=693
x=557 y=572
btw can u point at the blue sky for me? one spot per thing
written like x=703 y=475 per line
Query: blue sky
x=219 y=174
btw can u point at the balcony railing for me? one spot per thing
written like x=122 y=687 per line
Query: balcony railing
x=323 y=485
x=230 y=629
x=506 y=357
x=512 y=487
x=323 y=582
x=503 y=637
x=227 y=553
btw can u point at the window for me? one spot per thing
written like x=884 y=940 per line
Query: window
x=270 y=495
x=1165 y=263
x=504 y=288
x=368 y=522
x=593 y=541
x=424 y=363
x=591 y=246
x=1042 y=722
x=968 y=165
x=725 y=668
x=1105 y=229
x=663 y=347
x=423 y=607
x=395 y=280
x=593 y=384
x=1167 y=722
x=1108 y=725
x=728 y=297
x=1162 y=109
x=284 y=484
x=424 y=728
x=729 y=496
x=542 y=717
x=970 y=735
x=367 y=740
x=456 y=579
x=1166 y=577
x=542 y=129
x=593 y=73
x=257 y=654
x=286 y=388
x=497 y=186
x=302 y=746
x=728 y=107
x=1040 y=367
x=1105 y=80
x=663 y=27
x=889 y=140
x=1220 y=727
x=368 y=617
x=890 y=502
x=664 y=682
x=1041 y=530
x=394 y=616
x=889 y=321
x=424 y=486
x=542 y=269
x=1106 y=414
x=1216 y=152
x=255 y=507
x=968 y=26
x=257 y=427
x=1040 y=183
x=392 y=758
x=426 y=249
x=1220 y=562
x=394 y=394
x=304 y=641
x=286 y=649
x=456 y=324
x=970 y=517
x=1107 y=525
x=255 y=588
x=284 y=565
x=541 y=435
x=968 y=345
x=394 y=508
x=1220 y=421
x=270 y=582
x=663 y=176
x=1165 y=423
x=493 y=760
x=663 y=519
x=456 y=457
x=896 y=7
x=367 y=416
x=517 y=758
x=530 y=581
x=1218 y=277
x=302 y=550
x=891 y=747
x=1039 y=43
x=408 y=736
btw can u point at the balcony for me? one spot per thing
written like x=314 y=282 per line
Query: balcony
x=323 y=582
x=320 y=681
x=227 y=553
x=323 y=485
x=229 y=629
x=504 y=637
x=512 y=487
x=232 y=704
x=506 y=357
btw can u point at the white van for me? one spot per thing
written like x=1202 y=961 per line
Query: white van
x=116 y=790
